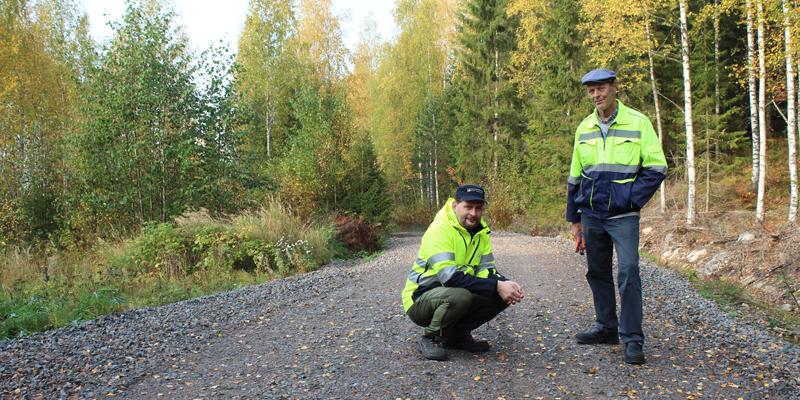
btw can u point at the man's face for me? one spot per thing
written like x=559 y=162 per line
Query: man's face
x=602 y=95
x=468 y=213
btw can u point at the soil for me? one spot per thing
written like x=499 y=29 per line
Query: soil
x=730 y=246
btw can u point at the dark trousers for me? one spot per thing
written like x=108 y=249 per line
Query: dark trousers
x=453 y=312
x=602 y=237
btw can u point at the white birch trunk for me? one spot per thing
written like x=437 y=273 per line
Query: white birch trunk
x=716 y=64
x=421 y=181
x=762 y=111
x=430 y=179
x=751 y=91
x=435 y=162
x=791 y=113
x=661 y=195
x=269 y=119
x=494 y=125
x=708 y=167
x=687 y=100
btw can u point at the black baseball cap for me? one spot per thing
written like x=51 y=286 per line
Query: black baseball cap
x=470 y=193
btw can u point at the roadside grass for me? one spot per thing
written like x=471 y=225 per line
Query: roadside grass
x=196 y=255
x=733 y=299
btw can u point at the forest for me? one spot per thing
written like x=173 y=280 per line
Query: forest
x=154 y=162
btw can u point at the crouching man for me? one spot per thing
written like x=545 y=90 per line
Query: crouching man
x=453 y=286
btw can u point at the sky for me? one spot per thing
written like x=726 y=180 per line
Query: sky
x=207 y=21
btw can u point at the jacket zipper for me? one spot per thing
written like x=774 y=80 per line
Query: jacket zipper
x=474 y=251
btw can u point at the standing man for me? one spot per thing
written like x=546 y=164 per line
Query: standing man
x=453 y=286
x=617 y=166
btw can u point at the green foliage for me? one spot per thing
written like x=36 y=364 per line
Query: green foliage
x=364 y=184
x=153 y=143
x=724 y=293
x=488 y=124
x=413 y=216
x=43 y=48
x=264 y=81
x=193 y=256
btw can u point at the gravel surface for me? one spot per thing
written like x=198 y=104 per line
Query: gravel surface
x=340 y=333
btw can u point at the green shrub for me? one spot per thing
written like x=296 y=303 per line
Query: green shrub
x=194 y=256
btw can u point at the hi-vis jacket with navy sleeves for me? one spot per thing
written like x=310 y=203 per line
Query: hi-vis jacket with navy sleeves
x=618 y=174
x=450 y=256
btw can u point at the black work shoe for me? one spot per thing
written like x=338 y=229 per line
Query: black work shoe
x=431 y=348
x=634 y=353
x=598 y=336
x=467 y=343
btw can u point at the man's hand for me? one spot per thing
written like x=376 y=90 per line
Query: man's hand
x=510 y=292
x=580 y=246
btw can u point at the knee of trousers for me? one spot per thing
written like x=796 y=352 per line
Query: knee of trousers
x=459 y=299
x=629 y=271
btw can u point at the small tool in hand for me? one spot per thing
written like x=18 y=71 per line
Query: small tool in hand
x=579 y=245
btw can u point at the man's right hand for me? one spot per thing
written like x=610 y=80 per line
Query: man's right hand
x=510 y=292
x=577 y=233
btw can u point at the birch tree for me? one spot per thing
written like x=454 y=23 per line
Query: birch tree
x=762 y=105
x=661 y=195
x=791 y=112
x=411 y=72
x=752 y=92
x=40 y=74
x=687 y=109
x=262 y=47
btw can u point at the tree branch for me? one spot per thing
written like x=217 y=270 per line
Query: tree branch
x=779 y=112
x=670 y=100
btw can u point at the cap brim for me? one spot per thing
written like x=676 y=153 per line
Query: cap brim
x=472 y=198
x=609 y=80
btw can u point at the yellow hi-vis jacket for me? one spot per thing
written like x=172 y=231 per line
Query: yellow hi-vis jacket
x=450 y=256
x=617 y=174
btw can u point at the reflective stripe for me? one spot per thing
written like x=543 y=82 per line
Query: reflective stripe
x=658 y=168
x=574 y=180
x=624 y=134
x=423 y=280
x=446 y=273
x=487 y=258
x=421 y=262
x=611 y=132
x=436 y=258
x=630 y=169
x=589 y=136
x=413 y=275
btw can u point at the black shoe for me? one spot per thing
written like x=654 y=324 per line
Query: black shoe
x=598 y=336
x=467 y=343
x=634 y=353
x=431 y=348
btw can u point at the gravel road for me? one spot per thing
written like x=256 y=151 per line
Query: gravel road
x=340 y=333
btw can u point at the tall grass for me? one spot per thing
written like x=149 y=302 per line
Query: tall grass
x=195 y=255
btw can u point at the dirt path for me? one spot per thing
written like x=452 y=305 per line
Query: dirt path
x=340 y=333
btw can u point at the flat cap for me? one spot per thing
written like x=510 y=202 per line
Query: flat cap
x=599 y=75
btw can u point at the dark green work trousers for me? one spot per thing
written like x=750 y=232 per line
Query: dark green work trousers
x=453 y=312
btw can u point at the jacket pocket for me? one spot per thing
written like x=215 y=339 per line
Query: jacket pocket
x=584 y=195
x=619 y=200
x=627 y=151
x=587 y=151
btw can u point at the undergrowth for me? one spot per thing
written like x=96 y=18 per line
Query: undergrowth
x=193 y=256
x=733 y=299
